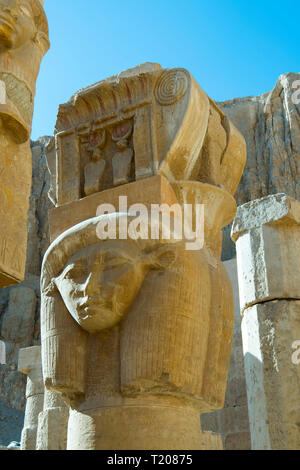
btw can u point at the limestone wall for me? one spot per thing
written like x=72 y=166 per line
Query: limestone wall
x=270 y=124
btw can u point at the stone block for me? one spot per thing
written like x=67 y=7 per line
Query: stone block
x=18 y=321
x=238 y=441
x=273 y=385
x=267 y=236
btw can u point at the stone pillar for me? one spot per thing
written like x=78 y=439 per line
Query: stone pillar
x=137 y=327
x=30 y=363
x=53 y=423
x=267 y=236
x=22 y=46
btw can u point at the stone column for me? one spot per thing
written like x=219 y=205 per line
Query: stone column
x=267 y=236
x=30 y=363
x=22 y=46
x=53 y=423
x=137 y=327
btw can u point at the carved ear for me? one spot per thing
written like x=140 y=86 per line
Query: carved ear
x=164 y=257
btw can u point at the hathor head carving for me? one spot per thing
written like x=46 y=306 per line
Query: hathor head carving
x=162 y=297
x=99 y=280
x=21 y=21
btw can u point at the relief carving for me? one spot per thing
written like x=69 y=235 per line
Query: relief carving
x=23 y=43
x=138 y=331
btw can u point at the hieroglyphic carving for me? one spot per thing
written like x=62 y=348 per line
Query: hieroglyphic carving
x=122 y=160
x=4 y=251
x=138 y=331
x=106 y=156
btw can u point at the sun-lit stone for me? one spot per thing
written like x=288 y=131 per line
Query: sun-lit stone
x=266 y=232
x=23 y=43
x=30 y=363
x=137 y=333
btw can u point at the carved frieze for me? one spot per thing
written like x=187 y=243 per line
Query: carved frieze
x=198 y=143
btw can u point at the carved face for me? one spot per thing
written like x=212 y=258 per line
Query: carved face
x=100 y=282
x=17 y=25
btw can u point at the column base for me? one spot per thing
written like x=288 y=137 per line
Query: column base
x=138 y=427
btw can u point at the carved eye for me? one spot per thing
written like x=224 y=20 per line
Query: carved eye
x=74 y=272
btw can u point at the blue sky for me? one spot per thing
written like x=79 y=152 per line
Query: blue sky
x=232 y=48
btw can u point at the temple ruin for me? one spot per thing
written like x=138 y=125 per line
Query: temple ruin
x=138 y=341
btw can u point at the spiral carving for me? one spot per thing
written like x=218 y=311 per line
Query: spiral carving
x=171 y=86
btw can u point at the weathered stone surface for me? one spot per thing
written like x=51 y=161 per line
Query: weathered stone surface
x=238 y=441
x=53 y=427
x=155 y=190
x=274 y=209
x=17 y=332
x=232 y=422
x=268 y=253
x=128 y=336
x=273 y=384
x=29 y=359
x=30 y=363
x=12 y=382
x=52 y=423
x=124 y=117
x=270 y=124
x=267 y=235
x=23 y=45
x=11 y=423
x=259 y=180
